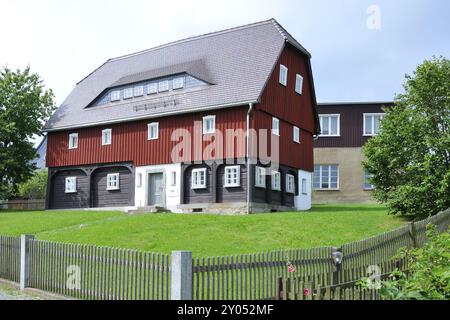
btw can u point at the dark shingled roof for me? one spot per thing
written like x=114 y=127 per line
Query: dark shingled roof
x=236 y=62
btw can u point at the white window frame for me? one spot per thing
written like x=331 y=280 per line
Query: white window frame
x=329 y=177
x=115 y=95
x=299 y=84
x=196 y=182
x=138 y=91
x=163 y=86
x=105 y=134
x=296 y=133
x=70 y=185
x=283 y=79
x=73 y=141
x=139 y=180
x=276 y=180
x=367 y=186
x=109 y=179
x=304 y=186
x=149 y=128
x=231 y=170
x=128 y=93
x=338 y=116
x=213 y=127
x=178 y=83
x=276 y=126
x=290 y=187
x=372 y=119
x=173 y=178
x=260 y=177
x=152 y=88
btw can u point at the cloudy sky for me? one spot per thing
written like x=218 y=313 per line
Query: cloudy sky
x=65 y=40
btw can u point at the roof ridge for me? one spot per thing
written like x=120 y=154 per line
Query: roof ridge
x=192 y=38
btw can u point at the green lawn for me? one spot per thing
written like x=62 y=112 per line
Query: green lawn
x=205 y=235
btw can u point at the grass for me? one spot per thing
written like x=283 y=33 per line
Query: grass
x=205 y=235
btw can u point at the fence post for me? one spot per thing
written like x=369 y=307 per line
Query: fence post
x=336 y=254
x=25 y=260
x=413 y=234
x=181 y=280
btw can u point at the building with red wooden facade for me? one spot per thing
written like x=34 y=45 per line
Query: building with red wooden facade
x=222 y=122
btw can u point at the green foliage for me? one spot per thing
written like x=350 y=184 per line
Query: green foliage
x=24 y=107
x=410 y=158
x=429 y=271
x=35 y=187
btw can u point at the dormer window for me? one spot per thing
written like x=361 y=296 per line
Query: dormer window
x=115 y=95
x=139 y=91
x=178 y=83
x=163 y=86
x=128 y=93
x=152 y=88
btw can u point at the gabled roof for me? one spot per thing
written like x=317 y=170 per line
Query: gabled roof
x=235 y=62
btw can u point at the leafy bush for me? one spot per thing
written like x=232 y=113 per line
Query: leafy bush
x=35 y=187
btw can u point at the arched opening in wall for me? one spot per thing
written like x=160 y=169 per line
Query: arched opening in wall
x=70 y=190
x=112 y=187
x=231 y=183
x=198 y=184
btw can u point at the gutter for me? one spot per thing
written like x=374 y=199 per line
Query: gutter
x=248 y=156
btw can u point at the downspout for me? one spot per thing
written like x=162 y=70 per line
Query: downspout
x=248 y=156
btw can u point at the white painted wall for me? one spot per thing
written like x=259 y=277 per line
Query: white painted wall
x=303 y=201
x=172 y=192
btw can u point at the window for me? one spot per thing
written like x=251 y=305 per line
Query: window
x=152 y=88
x=198 y=179
x=209 y=124
x=71 y=185
x=139 y=180
x=163 y=86
x=296 y=134
x=113 y=181
x=173 y=178
x=260 y=177
x=290 y=183
x=299 y=84
x=128 y=93
x=106 y=137
x=326 y=177
x=233 y=176
x=304 y=186
x=367 y=184
x=330 y=125
x=178 y=83
x=283 y=75
x=372 y=123
x=276 y=126
x=153 y=131
x=139 y=91
x=276 y=180
x=115 y=95
x=73 y=140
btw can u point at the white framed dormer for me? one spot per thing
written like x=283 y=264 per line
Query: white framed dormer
x=276 y=180
x=152 y=88
x=70 y=185
x=260 y=177
x=232 y=176
x=276 y=126
x=198 y=179
x=115 y=95
x=106 y=137
x=128 y=93
x=138 y=91
x=299 y=84
x=371 y=123
x=296 y=134
x=163 y=86
x=209 y=124
x=153 y=131
x=330 y=125
x=290 y=183
x=113 y=182
x=178 y=83
x=73 y=141
x=283 y=75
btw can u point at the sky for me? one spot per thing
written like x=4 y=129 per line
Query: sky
x=361 y=49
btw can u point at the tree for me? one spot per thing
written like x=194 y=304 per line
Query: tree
x=25 y=105
x=410 y=158
x=35 y=187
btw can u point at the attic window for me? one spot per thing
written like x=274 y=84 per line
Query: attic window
x=299 y=84
x=163 y=86
x=115 y=95
x=152 y=88
x=139 y=91
x=283 y=75
x=178 y=83
x=128 y=93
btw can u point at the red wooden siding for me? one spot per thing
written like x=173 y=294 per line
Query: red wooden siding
x=130 y=144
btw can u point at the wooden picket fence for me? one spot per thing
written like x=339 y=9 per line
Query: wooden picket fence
x=10 y=258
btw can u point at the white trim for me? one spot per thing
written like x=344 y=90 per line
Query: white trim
x=299 y=83
x=329 y=177
x=238 y=179
x=329 y=124
x=260 y=172
x=277 y=121
x=128 y=93
x=163 y=86
x=113 y=96
x=304 y=186
x=109 y=177
x=173 y=178
x=274 y=186
x=207 y=118
x=176 y=85
x=149 y=126
x=152 y=88
x=198 y=185
x=73 y=185
x=105 y=133
x=295 y=137
x=75 y=145
x=373 y=123
x=289 y=190
x=283 y=80
x=138 y=91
